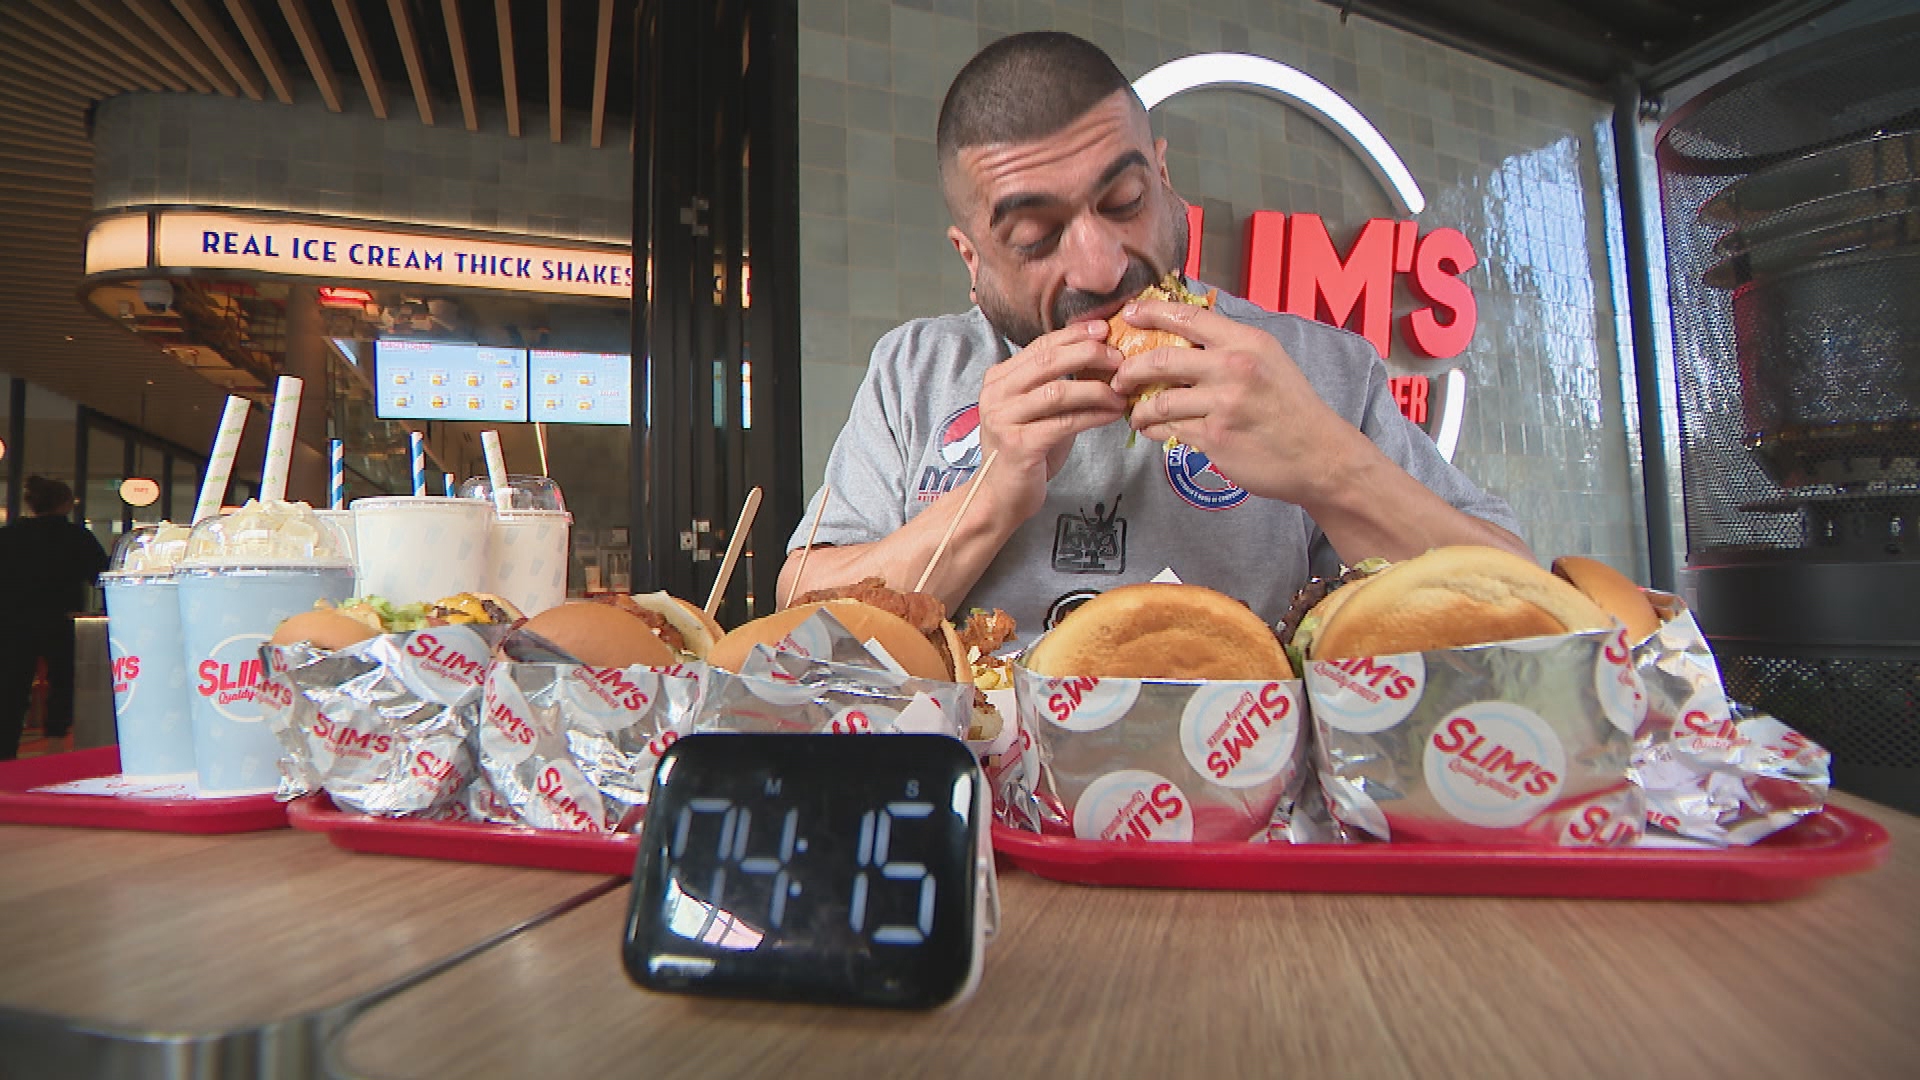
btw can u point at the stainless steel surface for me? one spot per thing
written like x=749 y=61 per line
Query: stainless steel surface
x=92 y=684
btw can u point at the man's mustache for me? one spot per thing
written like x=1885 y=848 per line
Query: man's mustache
x=1072 y=303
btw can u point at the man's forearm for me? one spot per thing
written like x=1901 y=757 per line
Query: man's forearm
x=1374 y=509
x=902 y=557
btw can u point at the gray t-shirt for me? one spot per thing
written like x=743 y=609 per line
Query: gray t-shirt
x=1115 y=514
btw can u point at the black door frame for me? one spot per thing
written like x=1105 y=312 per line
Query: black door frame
x=716 y=197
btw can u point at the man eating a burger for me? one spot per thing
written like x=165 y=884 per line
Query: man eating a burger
x=1268 y=445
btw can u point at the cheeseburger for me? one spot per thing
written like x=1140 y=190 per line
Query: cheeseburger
x=910 y=627
x=1448 y=598
x=1161 y=631
x=1132 y=340
x=649 y=630
x=362 y=617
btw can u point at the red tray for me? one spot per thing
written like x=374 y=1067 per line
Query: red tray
x=459 y=841
x=1789 y=863
x=21 y=806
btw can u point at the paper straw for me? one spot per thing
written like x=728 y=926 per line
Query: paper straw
x=972 y=490
x=213 y=489
x=497 y=470
x=417 y=451
x=540 y=433
x=793 y=590
x=446 y=482
x=286 y=416
x=337 y=475
x=734 y=543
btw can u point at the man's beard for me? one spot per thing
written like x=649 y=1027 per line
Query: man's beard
x=1021 y=328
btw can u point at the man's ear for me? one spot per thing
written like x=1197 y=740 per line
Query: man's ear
x=968 y=254
x=1160 y=159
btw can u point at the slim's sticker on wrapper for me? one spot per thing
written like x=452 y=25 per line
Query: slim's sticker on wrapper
x=1133 y=805
x=1494 y=765
x=1368 y=693
x=1501 y=744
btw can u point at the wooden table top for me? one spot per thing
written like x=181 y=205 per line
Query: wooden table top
x=1122 y=982
x=157 y=933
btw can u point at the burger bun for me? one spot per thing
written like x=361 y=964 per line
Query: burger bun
x=601 y=636
x=1452 y=597
x=1613 y=591
x=908 y=647
x=324 y=628
x=1161 y=631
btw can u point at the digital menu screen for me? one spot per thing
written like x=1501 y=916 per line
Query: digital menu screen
x=578 y=387
x=435 y=380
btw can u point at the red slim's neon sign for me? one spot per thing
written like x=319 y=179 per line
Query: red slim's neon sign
x=1291 y=265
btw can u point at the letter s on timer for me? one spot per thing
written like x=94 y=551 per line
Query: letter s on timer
x=814 y=868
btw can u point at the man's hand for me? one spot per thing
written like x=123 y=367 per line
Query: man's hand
x=1034 y=404
x=1239 y=399
x=1242 y=401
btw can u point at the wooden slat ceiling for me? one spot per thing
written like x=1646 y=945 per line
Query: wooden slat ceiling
x=460 y=62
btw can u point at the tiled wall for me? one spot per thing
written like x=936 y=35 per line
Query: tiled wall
x=1513 y=162
x=219 y=151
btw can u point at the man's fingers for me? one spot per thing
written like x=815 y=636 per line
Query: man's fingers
x=1172 y=404
x=1162 y=365
x=1061 y=396
x=1202 y=326
x=1037 y=367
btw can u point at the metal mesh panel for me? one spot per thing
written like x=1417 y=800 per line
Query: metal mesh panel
x=1866 y=712
x=1792 y=209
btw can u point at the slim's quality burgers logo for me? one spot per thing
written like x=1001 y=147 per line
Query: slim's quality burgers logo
x=445 y=658
x=957 y=446
x=230 y=677
x=1240 y=737
x=126 y=674
x=1133 y=805
x=1291 y=263
x=1494 y=764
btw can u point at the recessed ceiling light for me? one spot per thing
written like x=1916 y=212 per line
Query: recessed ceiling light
x=69 y=337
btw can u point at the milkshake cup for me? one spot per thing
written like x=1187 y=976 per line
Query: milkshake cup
x=420 y=548
x=531 y=540
x=343 y=521
x=152 y=711
x=243 y=573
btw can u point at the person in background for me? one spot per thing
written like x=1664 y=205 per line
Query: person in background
x=46 y=563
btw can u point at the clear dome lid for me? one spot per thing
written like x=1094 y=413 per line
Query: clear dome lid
x=525 y=492
x=149 y=550
x=271 y=534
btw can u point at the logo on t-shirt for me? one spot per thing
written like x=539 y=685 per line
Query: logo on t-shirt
x=958 y=448
x=1093 y=543
x=1199 y=481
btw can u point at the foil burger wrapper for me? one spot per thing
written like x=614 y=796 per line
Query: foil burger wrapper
x=1714 y=770
x=384 y=726
x=822 y=679
x=562 y=745
x=1152 y=760
x=1518 y=743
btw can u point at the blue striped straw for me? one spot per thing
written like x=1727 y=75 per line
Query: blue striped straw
x=418 y=448
x=447 y=482
x=337 y=488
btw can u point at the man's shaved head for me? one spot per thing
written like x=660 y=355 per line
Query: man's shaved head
x=1021 y=88
x=1061 y=203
